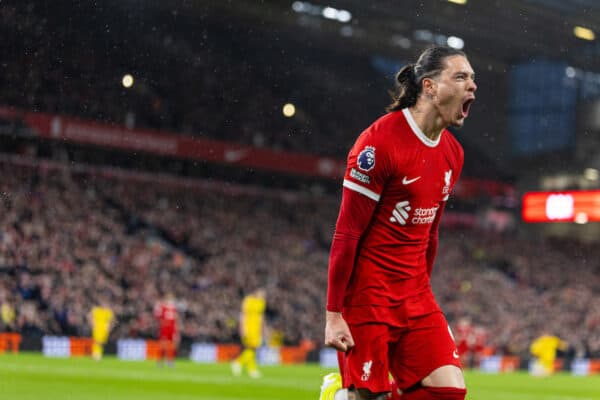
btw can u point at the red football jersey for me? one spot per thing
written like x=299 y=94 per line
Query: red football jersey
x=166 y=313
x=410 y=176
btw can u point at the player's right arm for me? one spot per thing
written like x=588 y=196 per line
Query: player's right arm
x=355 y=216
x=367 y=171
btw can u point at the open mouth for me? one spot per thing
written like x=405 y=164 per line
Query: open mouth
x=466 y=106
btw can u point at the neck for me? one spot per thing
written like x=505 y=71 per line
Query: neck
x=428 y=120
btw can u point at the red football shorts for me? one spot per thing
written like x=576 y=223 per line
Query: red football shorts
x=409 y=353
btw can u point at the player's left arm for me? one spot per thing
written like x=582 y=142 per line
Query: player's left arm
x=432 y=244
x=113 y=321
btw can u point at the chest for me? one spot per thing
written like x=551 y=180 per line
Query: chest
x=425 y=178
x=169 y=313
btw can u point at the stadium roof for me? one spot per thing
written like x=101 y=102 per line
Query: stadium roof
x=498 y=32
x=496 y=35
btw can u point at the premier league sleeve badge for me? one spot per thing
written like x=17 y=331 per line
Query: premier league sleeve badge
x=366 y=158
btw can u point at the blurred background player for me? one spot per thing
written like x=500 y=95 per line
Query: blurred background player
x=7 y=313
x=101 y=319
x=165 y=311
x=463 y=336
x=544 y=349
x=381 y=314
x=251 y=332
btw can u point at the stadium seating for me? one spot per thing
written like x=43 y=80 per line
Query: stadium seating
x=67 y=235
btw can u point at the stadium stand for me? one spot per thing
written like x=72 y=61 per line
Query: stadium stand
x=67 y=234
x=69 y=231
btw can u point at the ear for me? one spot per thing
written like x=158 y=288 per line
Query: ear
x=429 y=87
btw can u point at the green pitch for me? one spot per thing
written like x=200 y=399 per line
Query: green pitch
x=33 y=377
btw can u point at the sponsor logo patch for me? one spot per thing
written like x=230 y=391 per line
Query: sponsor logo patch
x=359 y=176
x=402 y=214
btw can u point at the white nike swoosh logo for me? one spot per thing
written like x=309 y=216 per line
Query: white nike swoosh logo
x=455 y=354
x=409 y=181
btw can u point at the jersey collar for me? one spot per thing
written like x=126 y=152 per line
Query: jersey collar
x=418 y=132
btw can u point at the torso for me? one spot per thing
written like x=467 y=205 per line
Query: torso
x=412 y=177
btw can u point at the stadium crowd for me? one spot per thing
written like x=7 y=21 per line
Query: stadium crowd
x=67 y=237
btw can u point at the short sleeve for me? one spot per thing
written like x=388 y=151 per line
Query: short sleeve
x=367 y=167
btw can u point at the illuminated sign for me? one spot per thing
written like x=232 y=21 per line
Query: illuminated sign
x=574 y=206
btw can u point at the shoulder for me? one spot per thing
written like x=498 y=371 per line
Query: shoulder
x=381 y=134
x=454 y=147
x=386 y=125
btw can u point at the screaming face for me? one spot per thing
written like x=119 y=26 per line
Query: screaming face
x=454 y=91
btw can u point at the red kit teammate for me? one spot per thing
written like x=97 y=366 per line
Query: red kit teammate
x=168 y=335
x=381 y=313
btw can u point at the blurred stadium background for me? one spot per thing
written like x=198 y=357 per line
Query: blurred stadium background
x=199 y=146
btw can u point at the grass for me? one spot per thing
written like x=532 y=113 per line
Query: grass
x=28 y=376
